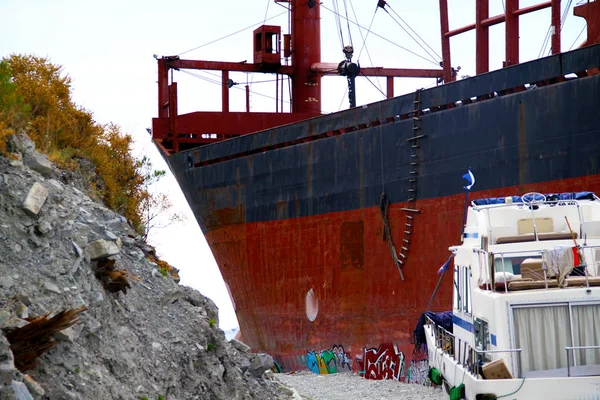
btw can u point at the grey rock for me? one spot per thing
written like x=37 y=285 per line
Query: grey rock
x=7 y=282
x=239 y=345
x=39 y=163
x=101 y=249
x=51 y=287
x=20 y=391
x=260 y=363
x=77 y=249
x=21 y=310
x=44 y=227
x=96 y=298
x=7 y=366
x=35 y=389
x=35 y=199
x=110 y=235
x=67 y=335
x=127 y=241
x=156 y=346
x=21 y=143
x=23 y=298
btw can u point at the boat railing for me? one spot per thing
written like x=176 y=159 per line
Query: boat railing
x=532 y=201
x=571 y=355
x=589 y=267
x=463 y=353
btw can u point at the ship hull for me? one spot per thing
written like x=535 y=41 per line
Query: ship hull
x=293 y=214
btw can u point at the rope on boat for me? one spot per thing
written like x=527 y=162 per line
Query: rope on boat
x=510 y=394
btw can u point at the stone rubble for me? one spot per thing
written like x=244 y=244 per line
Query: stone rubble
x=160 y=338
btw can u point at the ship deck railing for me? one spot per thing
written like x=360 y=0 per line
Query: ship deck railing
x=463 y=353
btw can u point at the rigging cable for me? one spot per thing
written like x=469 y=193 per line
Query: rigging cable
x=219 y=83
x=338 y=21
x=266 y=12
x=380 y=91
x=408 y=33
x=413 y=31
x=387 y=40
x=575 y=41
x=364 y=39
x=348 y=23
x=231 y=34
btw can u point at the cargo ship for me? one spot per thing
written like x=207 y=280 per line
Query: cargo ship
x=329 y=230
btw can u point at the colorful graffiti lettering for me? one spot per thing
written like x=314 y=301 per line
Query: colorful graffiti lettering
x=418 y=372
x=328 y=361
x=385 y=362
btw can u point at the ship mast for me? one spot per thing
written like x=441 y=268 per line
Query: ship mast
x=173 y=132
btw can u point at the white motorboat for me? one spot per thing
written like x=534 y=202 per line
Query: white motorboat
x=526 y=306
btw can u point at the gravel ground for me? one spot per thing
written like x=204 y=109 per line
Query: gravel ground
x=347 y=386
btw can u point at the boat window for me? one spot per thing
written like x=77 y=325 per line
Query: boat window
x=482 y=334
x=457 y=299
x=544 y=333
x=511 y=265
x=466 y=275
x=462 y=289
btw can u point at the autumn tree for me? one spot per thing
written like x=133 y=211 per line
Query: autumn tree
x=68 y=133
x=156 y=208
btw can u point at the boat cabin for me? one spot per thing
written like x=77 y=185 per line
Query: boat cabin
x=526 y=291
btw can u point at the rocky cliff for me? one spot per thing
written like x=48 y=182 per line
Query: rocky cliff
x=134 y=333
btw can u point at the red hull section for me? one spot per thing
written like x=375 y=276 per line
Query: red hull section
x=362 y=301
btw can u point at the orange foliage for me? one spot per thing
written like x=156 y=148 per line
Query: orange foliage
x=68 y=132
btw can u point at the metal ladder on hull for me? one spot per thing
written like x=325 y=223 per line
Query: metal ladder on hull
x=411 y=204
x=400 y=258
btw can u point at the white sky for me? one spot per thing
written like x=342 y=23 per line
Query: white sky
x=107 y=46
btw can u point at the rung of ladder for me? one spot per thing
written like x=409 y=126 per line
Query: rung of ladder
x=406 y=240
x=403 y=256
x=410 y=210
x=401 y=263
x=404 y=248
x=411 y=190
x=415 y=138
x=409 y=217
x=411 y=199
x=414 y=146
x=416 y=119
x=408 y=232
x=412 y=180
x=413 y=163
x=413 y=172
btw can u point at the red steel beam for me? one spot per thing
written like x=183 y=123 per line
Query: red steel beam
x=556 y=25
x=536 y=7
x=331 y=69
x=306 y=50
x=498 y=19
x=591 y=13
x=512 y=33
x=390 y=87
x=163 y=90
x=224 y=91
x=223 y=66
x=482 y=37
x=447 y=66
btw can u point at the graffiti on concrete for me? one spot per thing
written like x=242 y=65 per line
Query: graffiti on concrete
x=384 y=362
x=329 y=361
x=418 y=372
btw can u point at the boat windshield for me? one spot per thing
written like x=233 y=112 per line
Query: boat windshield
x=511 y=264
